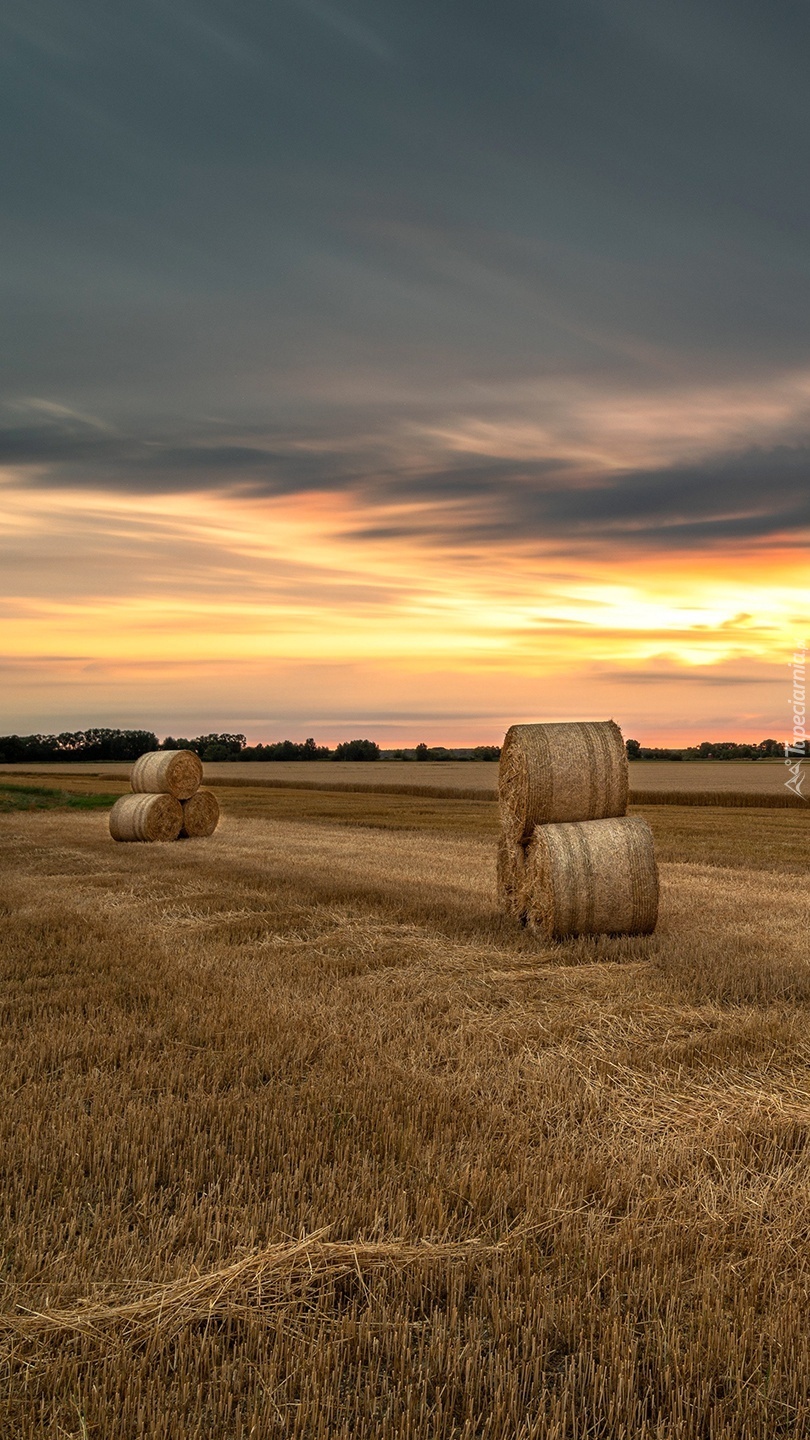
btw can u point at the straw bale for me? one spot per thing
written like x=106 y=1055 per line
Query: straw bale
x=167 y=772
x=146 y=817
x=511 y=876
x=593 y=877
x=561 y=772
x=200 y=815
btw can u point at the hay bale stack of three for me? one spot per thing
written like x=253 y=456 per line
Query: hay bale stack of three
x=570 y=859
x=167 y=803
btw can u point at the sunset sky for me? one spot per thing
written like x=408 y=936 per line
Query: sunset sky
x=404 y=368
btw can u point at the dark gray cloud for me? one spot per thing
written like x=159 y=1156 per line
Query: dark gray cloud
x=467 y=500
x=323 y=218
x=741 y=497
x=64 y=452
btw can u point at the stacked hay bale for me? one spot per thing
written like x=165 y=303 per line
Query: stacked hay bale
x=570 y=859
x=167 y=802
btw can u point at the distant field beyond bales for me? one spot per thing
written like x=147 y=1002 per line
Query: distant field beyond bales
x=709 y=775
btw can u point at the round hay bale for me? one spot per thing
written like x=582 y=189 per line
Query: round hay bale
x=511 y=876
x=200 y=815
x=594 y=877
x=146 y=817
x=552 y=773
x=167 y=772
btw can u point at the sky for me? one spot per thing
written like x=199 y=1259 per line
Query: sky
x=405 y=368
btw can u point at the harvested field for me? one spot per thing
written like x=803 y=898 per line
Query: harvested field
x=783 y=799
x=301 y=1139
x=478 y=778
x=746 y=836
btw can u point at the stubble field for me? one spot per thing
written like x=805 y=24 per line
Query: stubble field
x=300 y=1139
x=465 y=777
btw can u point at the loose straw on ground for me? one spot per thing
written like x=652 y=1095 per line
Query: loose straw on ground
x=266 y=1278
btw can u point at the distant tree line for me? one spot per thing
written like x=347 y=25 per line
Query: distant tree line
x=99 y=744
x=127 y=745
x=708 y=750
x=293 y=750
x=78 y=745
x=440 y=752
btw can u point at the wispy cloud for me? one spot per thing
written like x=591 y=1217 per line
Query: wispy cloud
x=475 y=499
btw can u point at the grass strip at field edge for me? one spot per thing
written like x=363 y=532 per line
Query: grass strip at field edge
x=23 y=798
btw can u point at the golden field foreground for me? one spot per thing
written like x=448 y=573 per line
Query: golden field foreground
x=301 y=1140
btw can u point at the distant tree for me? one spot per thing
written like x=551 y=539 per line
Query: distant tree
x=286 y=750
x=96 y=744
x=216 y=752
x=422 y=751
x=357 y=750
x=232 y=745
x=633 y=748
x=16 y=748
x=119 y=744
x=734 y=750
x=486 y=752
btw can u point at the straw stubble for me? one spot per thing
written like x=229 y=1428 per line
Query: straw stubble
x=200 y=1076
x=595 y=877
x=146 y=817
x=561 y=772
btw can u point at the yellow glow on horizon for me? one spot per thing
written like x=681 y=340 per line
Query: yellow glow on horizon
x=241 y=579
